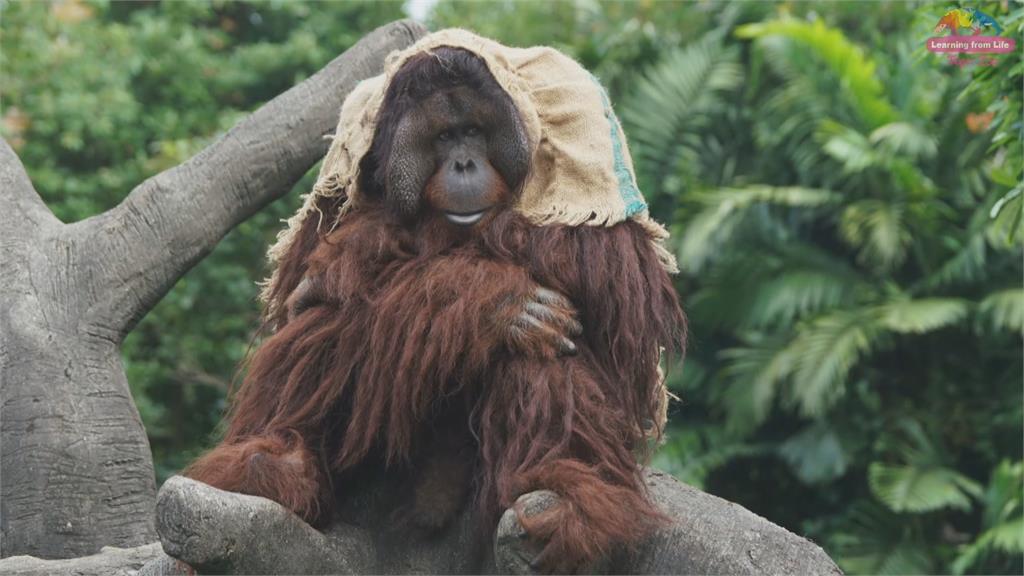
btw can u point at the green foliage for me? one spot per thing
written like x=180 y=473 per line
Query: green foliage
x=845 y=206
x=845 y=61
x=99 y=96
x=815 y=454
x=853 y=274
x=919 y=482
x=668 y=145
x=1004 y=310
x=1001 y=85
x=1002 y=537
x=875 y=541
x=724 y=212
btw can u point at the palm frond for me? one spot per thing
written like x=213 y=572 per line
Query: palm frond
x=1006 y=538
x=966 y=266
x=754 y=373
x=852 y=149
x=815 y=454
x=695 y=451
x=1004 y=310
x=711 y=227
x=819 y=359
x=1004 y=498
x=846 y=61
x=804 y=279
x=791 y=295
x=784 y=129
x=918 y=480
x=876 y=541
x=909 y=488
x=877 y=230
x=825 y=351
x=923 y=315
x=674 y=102
x=893 y=149
x=1008 y=215
x=904 y=139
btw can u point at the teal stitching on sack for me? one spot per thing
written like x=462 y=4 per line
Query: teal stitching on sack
x=627 y=190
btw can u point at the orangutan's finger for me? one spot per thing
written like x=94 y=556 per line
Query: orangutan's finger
x=575 y=327
x=528 y=323
x=562 y=317
x=552 y=298
x=568 y=347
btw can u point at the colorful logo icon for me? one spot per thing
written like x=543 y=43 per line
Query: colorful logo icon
x=954 y=20
x=967 y=28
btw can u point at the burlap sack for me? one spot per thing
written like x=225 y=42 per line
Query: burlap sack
x=581 y=170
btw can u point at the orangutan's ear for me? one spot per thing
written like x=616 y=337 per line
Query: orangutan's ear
x=308 y=294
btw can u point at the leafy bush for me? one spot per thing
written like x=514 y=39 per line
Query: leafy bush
x=855 y=305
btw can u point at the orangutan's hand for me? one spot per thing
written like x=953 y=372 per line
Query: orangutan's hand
x=543 y=325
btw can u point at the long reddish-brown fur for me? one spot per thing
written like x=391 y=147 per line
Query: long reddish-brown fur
x=409 y=319
x=396 y=350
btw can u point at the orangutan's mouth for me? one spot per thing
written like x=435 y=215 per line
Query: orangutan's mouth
x=465 y=219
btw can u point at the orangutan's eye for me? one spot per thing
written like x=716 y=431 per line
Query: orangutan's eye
x=444 y=136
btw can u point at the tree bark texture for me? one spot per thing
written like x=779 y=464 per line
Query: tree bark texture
x=109 y=561
x=209 y=531
x=219 y=532
x=76 y=468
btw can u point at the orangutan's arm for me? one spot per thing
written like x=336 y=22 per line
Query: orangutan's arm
x=278 y=466
x=497 y=302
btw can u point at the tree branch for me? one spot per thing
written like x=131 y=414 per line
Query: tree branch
x=187 y=375
x=705 y=535
x=167 y=224
x=108 y=561
x=22 y=212
x=222 y=532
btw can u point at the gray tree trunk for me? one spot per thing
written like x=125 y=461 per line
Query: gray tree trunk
x=77 y=473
